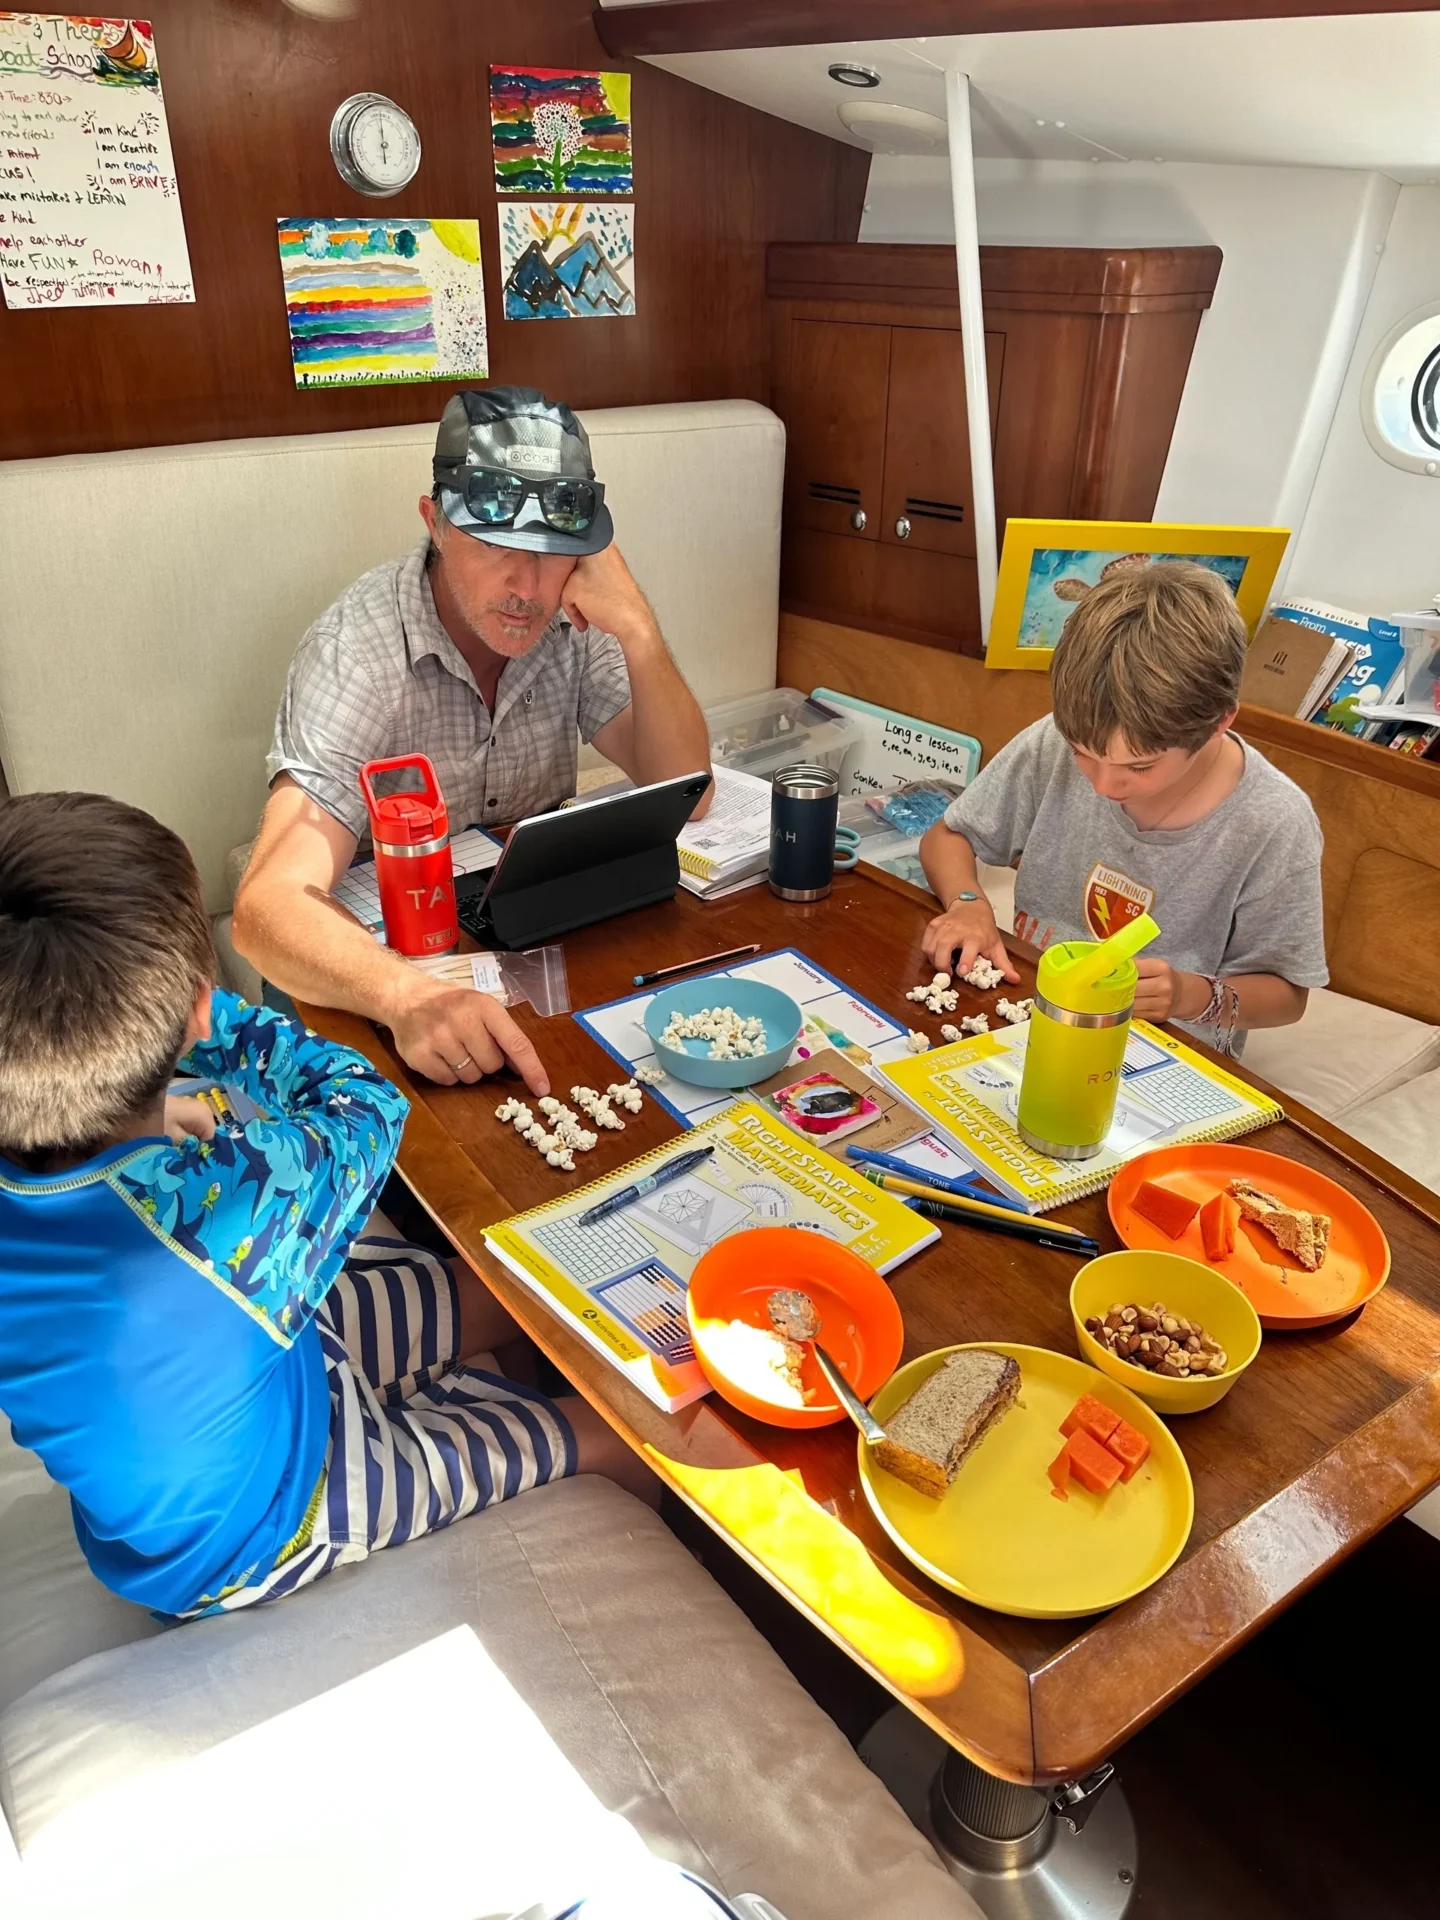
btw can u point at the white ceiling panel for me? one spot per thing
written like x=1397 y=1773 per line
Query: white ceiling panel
x=1356 y=91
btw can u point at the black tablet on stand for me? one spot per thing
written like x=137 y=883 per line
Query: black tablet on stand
x=587 y=862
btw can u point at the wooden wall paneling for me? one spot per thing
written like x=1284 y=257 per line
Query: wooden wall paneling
x=933 y=598
x=250 y=88
x=817 y=568
x=1038 y=279
x=1041 y=407
x=705 y=26
x=1137 y=376
x=835 y=411
x=927 y=441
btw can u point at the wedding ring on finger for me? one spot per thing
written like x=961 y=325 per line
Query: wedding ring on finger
x=459 y=1066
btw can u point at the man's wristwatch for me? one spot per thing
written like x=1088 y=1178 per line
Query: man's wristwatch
x=961 y=900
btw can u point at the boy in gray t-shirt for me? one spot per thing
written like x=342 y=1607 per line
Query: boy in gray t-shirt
x=1135 y=796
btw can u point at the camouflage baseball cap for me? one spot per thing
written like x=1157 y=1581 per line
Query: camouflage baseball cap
x=516 y=431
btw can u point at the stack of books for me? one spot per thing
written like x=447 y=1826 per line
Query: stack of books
x=1325 y=664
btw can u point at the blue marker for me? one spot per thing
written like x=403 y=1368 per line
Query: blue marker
x=970 y=1186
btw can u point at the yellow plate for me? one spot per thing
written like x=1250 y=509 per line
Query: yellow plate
x=1000 y=1537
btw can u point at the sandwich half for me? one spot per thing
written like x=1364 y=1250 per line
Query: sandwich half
x=930 y=1437
x=1306 y=1235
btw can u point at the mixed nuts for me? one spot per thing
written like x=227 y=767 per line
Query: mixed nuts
x=1159 y=1340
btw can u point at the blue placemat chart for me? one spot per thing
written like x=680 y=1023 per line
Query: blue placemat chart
x=834 y=1016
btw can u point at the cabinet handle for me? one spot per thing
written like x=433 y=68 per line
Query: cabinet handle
x=859 y=520
x=902 y=528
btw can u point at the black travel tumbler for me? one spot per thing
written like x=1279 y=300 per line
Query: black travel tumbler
x=804 y=803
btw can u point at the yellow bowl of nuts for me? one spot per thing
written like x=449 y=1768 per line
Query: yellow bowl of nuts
x=1174 y=1332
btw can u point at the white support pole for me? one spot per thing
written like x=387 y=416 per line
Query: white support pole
x=972 y=338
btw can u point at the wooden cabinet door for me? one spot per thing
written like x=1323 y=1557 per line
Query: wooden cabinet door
x=834 y=412
x=926 y=500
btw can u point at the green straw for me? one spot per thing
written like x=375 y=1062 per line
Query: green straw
x=1093 y=966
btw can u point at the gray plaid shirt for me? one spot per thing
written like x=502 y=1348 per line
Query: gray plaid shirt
x=377 y=675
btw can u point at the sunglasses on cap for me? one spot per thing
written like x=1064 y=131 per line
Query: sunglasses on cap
x=495 y=498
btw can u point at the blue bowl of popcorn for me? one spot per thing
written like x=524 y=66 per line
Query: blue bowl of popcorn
x=719 y=1031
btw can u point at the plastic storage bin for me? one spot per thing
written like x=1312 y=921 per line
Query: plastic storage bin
x=765 y=731
x=1421 y=635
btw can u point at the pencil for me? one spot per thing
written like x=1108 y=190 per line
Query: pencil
x=961 y=1208
x=688 y=966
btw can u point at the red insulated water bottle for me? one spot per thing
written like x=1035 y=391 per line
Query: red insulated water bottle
x=411 y=833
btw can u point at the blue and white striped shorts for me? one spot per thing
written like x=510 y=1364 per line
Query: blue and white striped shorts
x=415 y=1440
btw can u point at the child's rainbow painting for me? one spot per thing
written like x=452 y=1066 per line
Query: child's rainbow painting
x=558 y=131
x=372 y=301
x=567 y=261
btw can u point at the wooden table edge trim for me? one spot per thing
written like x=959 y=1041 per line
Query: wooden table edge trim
x=426 y=1141
x=1417 y=1410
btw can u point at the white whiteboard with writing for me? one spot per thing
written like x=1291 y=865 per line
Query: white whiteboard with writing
x=89 y=204
x=895 y=748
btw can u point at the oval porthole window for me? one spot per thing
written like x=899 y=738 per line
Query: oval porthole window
x=1400 y=400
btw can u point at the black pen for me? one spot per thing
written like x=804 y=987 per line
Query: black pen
x=672 y=1170
x=1017 y=1229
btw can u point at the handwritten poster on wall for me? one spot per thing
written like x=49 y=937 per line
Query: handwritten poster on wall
x=89 y=205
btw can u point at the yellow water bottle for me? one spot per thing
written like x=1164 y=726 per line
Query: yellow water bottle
x=1078 y=1029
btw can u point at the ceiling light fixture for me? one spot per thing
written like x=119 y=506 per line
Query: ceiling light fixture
x=849 y=73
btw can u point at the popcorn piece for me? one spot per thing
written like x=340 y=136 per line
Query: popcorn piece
x=984 y=974
x=917 y=1042
x=975 y=1023
x=1017 y=1012
x=730 y=1037
x=559 y=1147
x=650 y=1076
x=626 y=1094
x=941 y=980
x=949 y=1033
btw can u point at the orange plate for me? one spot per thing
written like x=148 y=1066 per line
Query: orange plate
x=1356 y=1263
x=860 y=1324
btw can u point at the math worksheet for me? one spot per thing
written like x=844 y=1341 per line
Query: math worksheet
x=89 y=202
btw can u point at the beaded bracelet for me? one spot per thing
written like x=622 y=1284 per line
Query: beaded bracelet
x=1222 y=1011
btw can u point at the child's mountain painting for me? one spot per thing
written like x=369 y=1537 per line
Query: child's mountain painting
x=567 y=261
x=375 y=300
x=558 y=131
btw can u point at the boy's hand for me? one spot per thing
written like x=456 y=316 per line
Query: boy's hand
x=968 y=930
x=454 y=1034
x=1163 y=994
x=186 y=1118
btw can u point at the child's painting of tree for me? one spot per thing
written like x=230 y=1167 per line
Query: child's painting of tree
x=557 y=131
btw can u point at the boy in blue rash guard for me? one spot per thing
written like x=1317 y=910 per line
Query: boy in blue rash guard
x=236 y=1399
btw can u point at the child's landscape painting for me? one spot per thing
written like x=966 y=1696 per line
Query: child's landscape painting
x=559 y=131
x=377 y=300
x=1060 y=578
x=567 y=261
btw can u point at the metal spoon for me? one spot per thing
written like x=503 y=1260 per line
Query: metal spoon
x=794 y=1315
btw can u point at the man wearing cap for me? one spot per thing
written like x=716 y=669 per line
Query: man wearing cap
x=514 y=627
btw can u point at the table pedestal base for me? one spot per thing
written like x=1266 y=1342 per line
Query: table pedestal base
x=1006 y=1846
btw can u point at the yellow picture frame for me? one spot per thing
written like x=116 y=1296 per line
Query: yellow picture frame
x=1078 y=552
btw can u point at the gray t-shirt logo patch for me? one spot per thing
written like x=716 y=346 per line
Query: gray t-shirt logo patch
x=1112 y=900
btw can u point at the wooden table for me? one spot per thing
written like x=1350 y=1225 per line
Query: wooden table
x=1332 y=1434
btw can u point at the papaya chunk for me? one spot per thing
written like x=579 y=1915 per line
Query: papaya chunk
x=1093 y=1466
x=1093 y=1416
x=1171 y=1212
x=1059 y=1472
x=1219 y=1223
x=1130 y=1447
